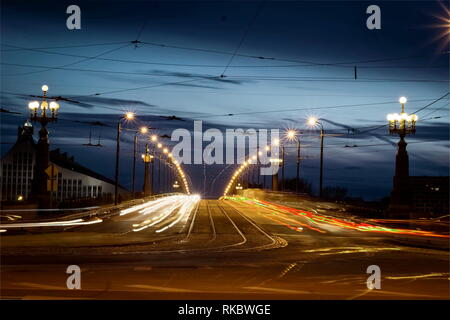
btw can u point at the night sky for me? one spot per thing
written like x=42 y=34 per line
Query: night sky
x=292 y=59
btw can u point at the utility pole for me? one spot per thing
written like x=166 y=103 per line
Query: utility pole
x=134 y=163
x=297 y=178
x=116 y=176
x=127 y=116
x=282 y=168
x=159 y=173
x=321 y=162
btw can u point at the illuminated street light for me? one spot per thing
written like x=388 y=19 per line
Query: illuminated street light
x=39 y=114
x=401 y=124
x=313 y=121
x=276 y=142
x=292 y=135
x=147 y=158
x=126 y=116
x=143 y=130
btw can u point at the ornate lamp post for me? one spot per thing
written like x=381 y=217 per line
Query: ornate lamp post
x=42 y=113
x=401 y=124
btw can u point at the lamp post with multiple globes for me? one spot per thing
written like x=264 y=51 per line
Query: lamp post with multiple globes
x=42 y=113
x=401 y=124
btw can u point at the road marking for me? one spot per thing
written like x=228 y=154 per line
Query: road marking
x=394 y=293
x=274 y=241
x=38 y=286
x=157 y=288
x=213 y=228
x=430 y=275
x=244 y=239
x=192 y=223
x=277 y=290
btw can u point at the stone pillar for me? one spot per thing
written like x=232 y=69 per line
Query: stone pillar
x=400 y=204
x=39 y=184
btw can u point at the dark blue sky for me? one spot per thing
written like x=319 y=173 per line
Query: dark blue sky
x=309 y=50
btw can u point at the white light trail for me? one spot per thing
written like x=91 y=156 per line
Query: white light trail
x=76 y=222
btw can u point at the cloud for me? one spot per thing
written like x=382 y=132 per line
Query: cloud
x=190 y=75
x=92 y=100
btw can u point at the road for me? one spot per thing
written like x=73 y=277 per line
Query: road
x=181 y=247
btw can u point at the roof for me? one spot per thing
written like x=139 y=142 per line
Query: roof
x=64 y=161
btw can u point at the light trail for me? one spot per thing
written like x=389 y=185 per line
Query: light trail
x=164 y=209
x=148 y=204
x=183 y=213
x=166 y=212
x=76 y=222
x=324 y=221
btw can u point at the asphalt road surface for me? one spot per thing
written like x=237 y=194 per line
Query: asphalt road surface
x=181 y=247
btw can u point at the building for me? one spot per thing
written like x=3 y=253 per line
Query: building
x=429 y=196
x=72 y=181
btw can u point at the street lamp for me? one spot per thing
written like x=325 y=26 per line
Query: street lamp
x=40 y=114
x=142 y=130
x=292 y=135
x=313 y=121
x=128 y=117
x=147 y=158
x=401 y=124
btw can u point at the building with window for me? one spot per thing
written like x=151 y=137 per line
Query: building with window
x=73 y=181
x=430 y=196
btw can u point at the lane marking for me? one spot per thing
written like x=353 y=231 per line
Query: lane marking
x=158 y=288
x=290 y=291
